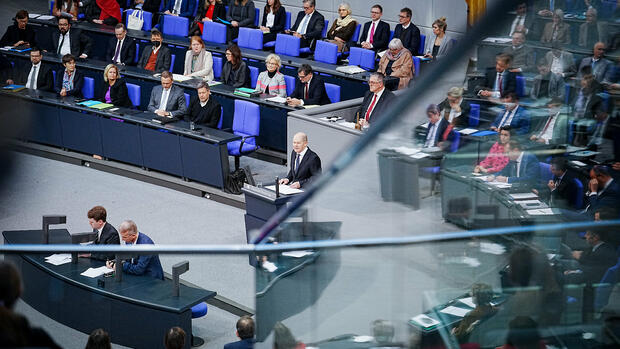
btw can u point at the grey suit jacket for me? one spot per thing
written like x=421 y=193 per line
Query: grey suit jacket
x=522 y=57
x=176 y=101
x=444 y=48
x=563 y=34
x=603 y=69
x=568 y=63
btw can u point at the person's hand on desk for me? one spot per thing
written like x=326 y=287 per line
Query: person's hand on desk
x=163 y=113
x=63 y=92
x=480 y=169
x=110 y=264
x=10 y=82
x=20 y=42
x=283 y=181
x=363 y=123
x=485 y=93
x=297 y=35
x=265 y=29
x=234 y=23
x=551 y=185
x=98 y=21
x=501 y=179
x=293 y=102
x=295 y=185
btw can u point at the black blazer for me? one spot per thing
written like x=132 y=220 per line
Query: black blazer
x=128 y=51
x=462 y=121
x=13 y=34
x=309 y=167
x=316 y=91
x=109 y=236
x=78 y=82
x=441 y=129
x=218 y=11
x=315 y=25
x=278 y=22
x=509 y=81
x=387 y=97
x=563 y=193
x=380 y=39
x=608 y=198
x=45 y=79
x=151 y=6
x=209 y=115
x=118 y=93
x=595 y=263
x=80 y=43
x=163 y=58
x=410 y=37
x=236 y=78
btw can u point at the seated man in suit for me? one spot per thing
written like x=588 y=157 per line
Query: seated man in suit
x=603 y=191
x=457 y=107
x=512 y=114
x=245 y=332
x=204 y=109
x=376 y=33
x=144 y=264
x=522 y=168
x=594 y=261
x=20 y=33
x=560 y=190
x=436 y=127
x=183 y=8
x=499 y=80
x=308 y=25
x=547 y=84
x=376 y=100
x=309 y=89
x=35 y=76
x=69 y=81
x=67 y=41
x=522 y=56
x=597 y=65
x=106 y=233
x=305 y=164
x=555 y=128
x=155 y=58
x=167 y=99
x=122 y=49
x=407 y=32
x=523 y=21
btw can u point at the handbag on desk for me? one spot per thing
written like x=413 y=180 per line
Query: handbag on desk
x=135 y=20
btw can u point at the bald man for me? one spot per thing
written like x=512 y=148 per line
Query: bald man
x=305 y=164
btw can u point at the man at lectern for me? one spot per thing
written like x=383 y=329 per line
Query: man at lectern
x=305 y=164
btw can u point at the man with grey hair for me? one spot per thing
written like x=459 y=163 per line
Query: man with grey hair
x=308 y=25
x=305 y=164
x=597 y=65
x=588 y=31
x=144 y=264
x=376 y=100
x=457 y=108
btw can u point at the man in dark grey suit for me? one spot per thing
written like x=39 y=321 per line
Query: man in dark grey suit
x=376 y=100
x=167 y=100
x=106 y=233
x=597 y=65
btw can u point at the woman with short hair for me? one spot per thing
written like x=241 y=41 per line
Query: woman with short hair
x=271 y=81
x=198 y=61
x=343 y=28
x=398 y=62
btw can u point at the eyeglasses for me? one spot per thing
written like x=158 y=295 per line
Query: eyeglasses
x=375 y=12
x=301 y=76
x=372 y=82
x=401 y=16
x=306 y=7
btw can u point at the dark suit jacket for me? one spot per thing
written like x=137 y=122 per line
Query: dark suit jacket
x=109 y=236
x=144 y=264
x=562 y=196
x=163 y=58
x=410 y=37
x=461 y=121
x=610 y=197
x=316 y=91
x=278 y=22
x=80 y=43
x=236 y=78
x=128 y=51
x=242 y=344
x=187 y=7
x=520 y=122
x=45 y=78
x=13 y=34
x=381 y=37
x=78 y=82
x=509 y=81
x=529 y=172
x=209 y=115
x=381 y=105
x=441 y=129
x=595 y=263
x=151 y=6
x=314 y=30
x=309 y=167
x=118 y=93
x=175 y=103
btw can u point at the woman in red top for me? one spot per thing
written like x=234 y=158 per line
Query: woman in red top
x=496 y=160
x=208 y=11
x=110 y=12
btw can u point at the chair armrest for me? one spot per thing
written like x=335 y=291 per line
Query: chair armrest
x=243 y=141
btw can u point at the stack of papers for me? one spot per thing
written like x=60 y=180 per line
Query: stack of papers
x=285 y=189
x=456 y=311
x=350 y=69
x=58 y=259
x=468 y=131
x=425 y=321
x=523 y=196
x=297 y=254
x=180 y=77
x=499 y=40
x=492 y=248
x=469 y=301
x=276 y=99
x=540 y=212
x=96 y=272
x=529 y=203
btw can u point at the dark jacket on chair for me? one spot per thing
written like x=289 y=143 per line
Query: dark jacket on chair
x=316 y=91
x=381 y=37
x=109 y=236
x=128 y=51
x=163 y=61
x=410 y=37
x=118 y=93
x=78 y=83
x=239 y=77
x=209 y=115
x=309 y=167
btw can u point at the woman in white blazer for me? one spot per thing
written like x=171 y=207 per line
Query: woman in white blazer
x=198 y=61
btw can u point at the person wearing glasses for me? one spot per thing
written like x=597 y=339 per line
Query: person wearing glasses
x=35 y=76
x=407 y=32
x=309 y=89
x=271 y=81
x=376 y=33
x=376 y=100
x=308 y=25
x=235 y=71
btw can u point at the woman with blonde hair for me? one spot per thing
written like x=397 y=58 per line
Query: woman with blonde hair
x=441 y=43
x=343 y=28
x=271 y=81
x=398 y=62
x=114 y=89
x=198 y=61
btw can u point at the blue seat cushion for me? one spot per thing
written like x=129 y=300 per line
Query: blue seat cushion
x=199 y=310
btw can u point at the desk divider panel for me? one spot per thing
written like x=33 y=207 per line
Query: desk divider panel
x=201 y=161
x=81 y=131
x=121 y=141
x=161 y=151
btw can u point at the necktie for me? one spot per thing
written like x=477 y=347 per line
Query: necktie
x=374 y=100
x=164 y=100
x=297 y=164
x=62 y=41
x=116 y=53
x=546 y=126
x=499 y=84
x=33 y=76
x=306 y=96
x=504 y=119
x=372 y=33
x=304 y=24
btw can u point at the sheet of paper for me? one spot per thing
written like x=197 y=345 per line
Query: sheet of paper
x=285 y=189
x=310 y=106
x=297 y=254
x=492 y=248
x=45 y=17
x=406 y=150
x=96 y=272
x=468 y=131
x=347 y=124
x=501 y=185
x=363 y=339
x=59 y=259
x=469 y=301
x=529 y=203
x=425 y=321
x=500 y=40
x=180 y=77
x=419 y=155
x=350 y=69
x=33 y=15
x=276 y=99
x=456 y=311
x=523 y=196
x=540 y=212
x=578 y=163
x=270 y=267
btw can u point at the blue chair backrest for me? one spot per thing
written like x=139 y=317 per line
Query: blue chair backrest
x=362 y=57
x=257 y=17
x=172 y=59
x=253 y=75
x=287 y=45
x=146 y=16
x=602 y=292
x=474 y=115
x=51 y=7
x=333 y=92
x=356 y=34
x=607 y=8
x=520 y=85
x=88 y=90
x=324 y=34
x=214 y=32
x=195 y=8
x=290 y=84
x=54 y=74
x=186 y=99
x=571 y=131
x=219 y=123
x=246 y=121
x=567 y=88
x=326 y=52
x=175 y=25
x=217 y=66
x=421 y=46
x=391 y=35
x=250 y=38
x=456 y=140
x=416 y=65
x=545 y=173
x=137 y=57
x=134 y=94
x=577 y=195
x=287 y=25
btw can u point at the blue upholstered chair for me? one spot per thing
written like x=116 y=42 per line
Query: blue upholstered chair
x=287 y=45
x=416 y=65
x=186 y=99
x=250 y=38
x=88 y=89
x=246 y=123
x=474 y=115
x=287 y=24
x=356 y=34
x=433 y=171
x=306 y=50
x=326 y=52
x=199 y=310
x=146 y=16
x=290 y=84
x=256 y=17
x=362 y=57
x=520 y=86
x=172 y=59
x=545 y=173
x=175 y=25
x=421 y=46
x=577 y=196
x=218 y=62
x=333 y=92
x=214 y=32
x=603 y=291
x=253 y=76
x=134 y=94
x=221 y=122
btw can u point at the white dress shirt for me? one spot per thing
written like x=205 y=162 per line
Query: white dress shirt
x=66 y=45
x=519 y=160
x=270 y=19
x=432 y=133
x=34 y=70
x=379 y=94
x=163 y=102
x=304 y=23
x=301 y=157
x=547 y=134
x=118 y=60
